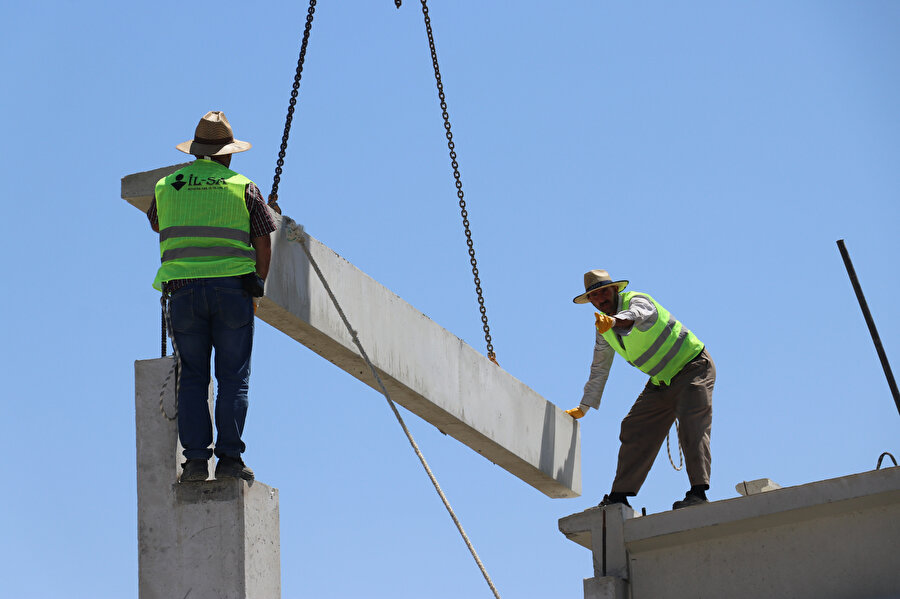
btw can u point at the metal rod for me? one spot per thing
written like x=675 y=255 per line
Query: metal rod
x=603 y=571
x=870 y=323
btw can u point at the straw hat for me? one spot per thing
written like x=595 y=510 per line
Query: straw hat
x=595 y=279
x=213 y=137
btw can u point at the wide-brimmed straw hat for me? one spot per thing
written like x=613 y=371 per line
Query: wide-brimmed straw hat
x=595 y=279
x=213 y=137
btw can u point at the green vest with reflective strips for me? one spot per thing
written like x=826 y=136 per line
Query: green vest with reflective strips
x=659 y=347
x=204 y=225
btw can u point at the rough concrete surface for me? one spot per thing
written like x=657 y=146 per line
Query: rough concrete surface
x=218 y=538
x=836 y=538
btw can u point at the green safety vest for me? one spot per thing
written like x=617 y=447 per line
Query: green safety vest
x=204 y=225
x=659 y=347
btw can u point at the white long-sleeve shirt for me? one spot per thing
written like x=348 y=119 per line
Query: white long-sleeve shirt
x=643 y=313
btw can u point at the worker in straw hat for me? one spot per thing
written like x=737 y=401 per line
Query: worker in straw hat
x=213 y=228
x=682 y=376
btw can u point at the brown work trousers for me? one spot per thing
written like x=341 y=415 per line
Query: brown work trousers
x=688 y=397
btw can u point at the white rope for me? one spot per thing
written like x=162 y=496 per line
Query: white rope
x=680 y=455
x=295 y=233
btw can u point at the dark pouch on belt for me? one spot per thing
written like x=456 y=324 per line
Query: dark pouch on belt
x=253 y=284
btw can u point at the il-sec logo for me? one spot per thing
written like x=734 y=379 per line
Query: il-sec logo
x=197 y=183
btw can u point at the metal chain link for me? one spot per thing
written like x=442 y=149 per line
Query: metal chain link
x=174 y=371
x=459 y=191
x=273 y=195
x=162 y=325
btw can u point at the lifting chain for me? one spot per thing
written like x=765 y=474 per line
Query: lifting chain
x=273 y=195
x=459 y=191
x=162 y=342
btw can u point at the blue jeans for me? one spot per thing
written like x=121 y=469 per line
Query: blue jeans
x=206 y=314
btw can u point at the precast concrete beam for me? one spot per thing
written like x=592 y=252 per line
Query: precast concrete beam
x=424 y=367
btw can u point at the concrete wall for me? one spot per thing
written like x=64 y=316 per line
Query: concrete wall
x=830 y=539
x=425 y=368
x=211 y=539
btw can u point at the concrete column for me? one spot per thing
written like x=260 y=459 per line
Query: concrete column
x=211 y=539
x=605 y=587
x=602 y=530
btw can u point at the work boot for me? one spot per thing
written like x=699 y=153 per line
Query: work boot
x=614 y=498
x=690 y=498
x=229 y=467
x=194 y=471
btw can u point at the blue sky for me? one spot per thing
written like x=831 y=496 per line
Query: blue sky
x=712 y=153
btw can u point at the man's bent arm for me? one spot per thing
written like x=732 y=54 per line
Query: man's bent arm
x=640 y=311
x=603 y=358
x=263 y=247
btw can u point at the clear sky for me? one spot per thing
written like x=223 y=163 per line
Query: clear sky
x=710 y=152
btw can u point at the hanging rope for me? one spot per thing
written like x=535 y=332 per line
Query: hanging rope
x=295 y=233
x=680 y=455
x=459 y=191
x=273 y=195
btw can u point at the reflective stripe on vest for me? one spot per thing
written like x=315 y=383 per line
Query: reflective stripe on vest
x=662 y=333
x=658 y=343
x=222 y=232
x=181 y=253
x=204 y=223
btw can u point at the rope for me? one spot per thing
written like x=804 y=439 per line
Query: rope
x=296 y=234
x=881 y=457
x=680 y=455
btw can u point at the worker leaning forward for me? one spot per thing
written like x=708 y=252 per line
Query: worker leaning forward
x=682 y=376
x=214 y=246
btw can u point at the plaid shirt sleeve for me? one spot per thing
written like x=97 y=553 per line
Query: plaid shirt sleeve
x=261 y=222
x=152 y=215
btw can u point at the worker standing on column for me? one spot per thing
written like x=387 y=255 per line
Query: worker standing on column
x=682 y=376
x=213 y=228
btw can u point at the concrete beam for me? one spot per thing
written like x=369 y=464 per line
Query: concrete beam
x=137 y=189
x=425 y=368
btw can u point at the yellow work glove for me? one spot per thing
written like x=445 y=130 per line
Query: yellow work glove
x=575 y=413
x=604 y=322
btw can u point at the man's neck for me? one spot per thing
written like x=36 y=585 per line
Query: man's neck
x=223 y=160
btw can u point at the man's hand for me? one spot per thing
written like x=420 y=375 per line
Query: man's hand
x=575 y=413
x=604 y=322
